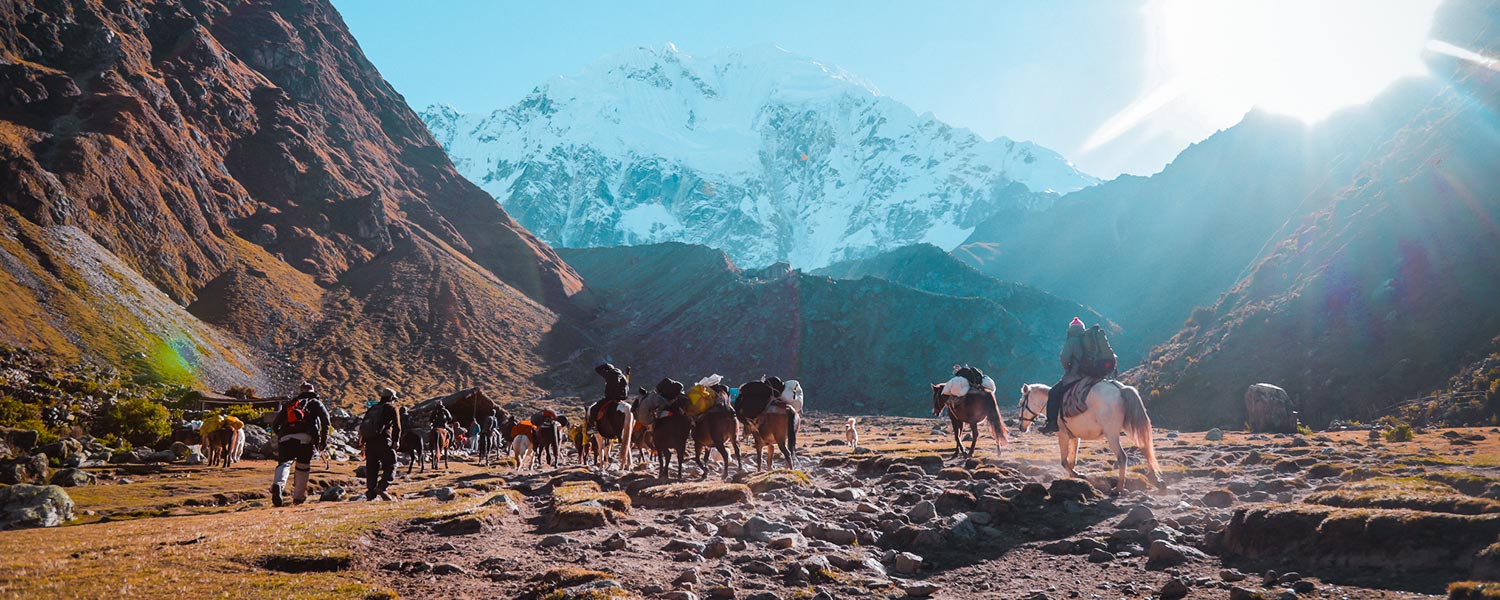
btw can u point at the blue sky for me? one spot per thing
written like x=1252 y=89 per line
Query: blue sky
x=1085 y=78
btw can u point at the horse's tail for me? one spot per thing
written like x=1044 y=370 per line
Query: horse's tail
x=997 y=424
x=1138 y=425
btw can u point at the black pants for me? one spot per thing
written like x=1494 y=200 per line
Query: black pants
x=1054 y=401
x=294 y=450
x=380 y=468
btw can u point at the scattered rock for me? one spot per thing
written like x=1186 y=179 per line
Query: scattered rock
x=447 y=569
x=1174 y=588
x=920 y=589
x=1163 y=554
x=555 y=540
x=1214 y=435
x=73 y=478
x=443 y=494
x=24 y=506
x=923 y=512
x=1099 y=555
x=908 y=563
x=1220 y=498
x=333 y=493
x=1077 y=490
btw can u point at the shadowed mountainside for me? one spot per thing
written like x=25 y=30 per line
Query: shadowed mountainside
x=866 y=344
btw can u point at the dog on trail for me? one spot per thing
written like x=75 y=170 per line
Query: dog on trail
x=851 y=435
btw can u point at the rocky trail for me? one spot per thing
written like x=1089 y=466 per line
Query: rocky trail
x=900 y=519
x=1331 y=515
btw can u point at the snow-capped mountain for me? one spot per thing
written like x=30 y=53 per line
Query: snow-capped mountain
x=767 y=155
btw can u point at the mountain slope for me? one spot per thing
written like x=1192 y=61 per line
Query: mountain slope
x=1147 y=250
x=765 y=154
x=866 y=345
x=1386 y=286
x=930 y=269
x=248 y=161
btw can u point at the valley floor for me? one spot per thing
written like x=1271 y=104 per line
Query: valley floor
x=896 y=518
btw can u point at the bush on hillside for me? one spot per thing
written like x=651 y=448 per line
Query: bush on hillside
x=137 y=420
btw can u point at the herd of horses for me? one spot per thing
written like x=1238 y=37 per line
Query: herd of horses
x=643 y=424
x=647 y=423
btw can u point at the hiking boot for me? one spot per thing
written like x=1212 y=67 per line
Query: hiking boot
x=276 y=499
x=1049 y=428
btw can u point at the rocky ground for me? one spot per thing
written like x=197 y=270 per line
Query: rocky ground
x=1333 y=515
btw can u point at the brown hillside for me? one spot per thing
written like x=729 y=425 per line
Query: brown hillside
x=248 y=161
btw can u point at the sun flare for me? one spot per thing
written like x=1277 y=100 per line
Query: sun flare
x=1300 y=58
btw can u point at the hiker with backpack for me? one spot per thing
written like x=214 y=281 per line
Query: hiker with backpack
x=379 y=431
x=616 y=389
x=301 y=428
x=1086 y=354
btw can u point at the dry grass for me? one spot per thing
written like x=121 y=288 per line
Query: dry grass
x=580 y=492
x=169 y=557
x=1409 y=493
x=1474 y=590
x=778 y=479
x=684 y=495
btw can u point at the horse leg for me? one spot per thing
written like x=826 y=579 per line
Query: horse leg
x=958 y=427
x=1064 y=445
x=1120 y=458
x=974 y=440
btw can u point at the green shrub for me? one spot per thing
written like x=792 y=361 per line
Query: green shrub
x=136 y=420
x=1400 y=433
x=246 y=413
x=13 y=413
x=1304 y=430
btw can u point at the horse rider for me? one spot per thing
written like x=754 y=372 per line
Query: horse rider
x=301 y=428
x=379 y=432
x=442 y=418
x=1072 y=363
x=616 y=388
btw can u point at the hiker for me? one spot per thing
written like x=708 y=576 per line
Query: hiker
x=301 y=428
x=616 y=388
x=379 y=431
x=474 y=431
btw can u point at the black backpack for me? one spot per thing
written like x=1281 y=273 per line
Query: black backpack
x=669 y=388
x=1099 y=358
x=376 y=424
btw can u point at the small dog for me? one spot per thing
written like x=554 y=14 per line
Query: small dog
x=851 y=435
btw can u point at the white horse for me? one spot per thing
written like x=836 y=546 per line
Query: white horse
x=1112 y=407
x=521 y=448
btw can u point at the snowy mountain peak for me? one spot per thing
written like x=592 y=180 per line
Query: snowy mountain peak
x=767 y=154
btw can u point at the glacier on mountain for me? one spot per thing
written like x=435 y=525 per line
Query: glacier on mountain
x=765 y=154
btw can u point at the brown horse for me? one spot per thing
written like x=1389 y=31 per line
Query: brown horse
x=440 y=439
x=219 y=447
x=712 y=430
x=671 y=433
x=585 y=444
x=972 y=408
x=775 y=428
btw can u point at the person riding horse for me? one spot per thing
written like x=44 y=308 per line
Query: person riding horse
x=1072 y=364
x=616 y=389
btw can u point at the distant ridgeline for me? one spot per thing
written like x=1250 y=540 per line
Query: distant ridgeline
x=865 y=345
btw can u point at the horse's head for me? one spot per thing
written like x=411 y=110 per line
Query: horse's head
x=1032 y=405
x=938 y=403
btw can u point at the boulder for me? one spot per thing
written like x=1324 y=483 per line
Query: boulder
x=1269 y=409
x=923 y=512
x=259 y=441
x=24 y=506
x=32 y=469
x=334 y=493
x=690 y=495
x=16 y=442
x=72 y=478
x=68 y=452
x=194 y=458
x=180 y=450
x=1077 y=490
x=1163 y=554
x=907 y=563
x=1214 y=435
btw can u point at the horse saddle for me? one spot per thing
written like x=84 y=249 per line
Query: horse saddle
x=1075 y=400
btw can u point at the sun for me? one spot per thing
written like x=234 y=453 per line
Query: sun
x=1305 y=58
